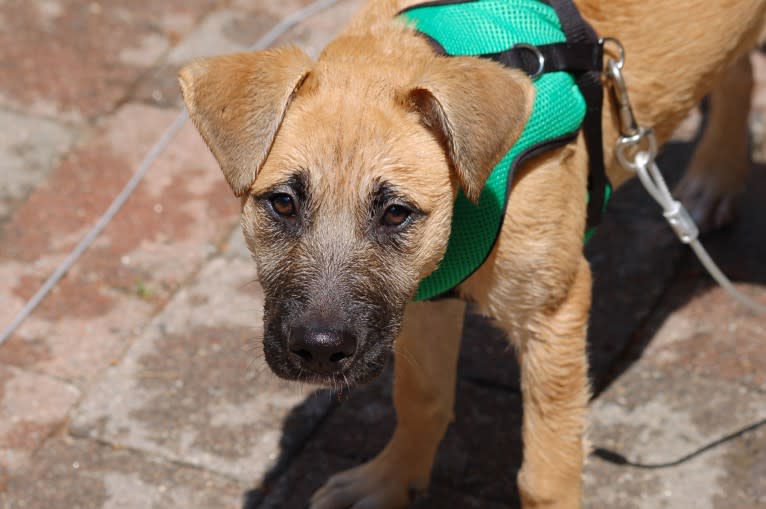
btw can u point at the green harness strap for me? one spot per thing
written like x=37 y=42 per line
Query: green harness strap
x=478 y=28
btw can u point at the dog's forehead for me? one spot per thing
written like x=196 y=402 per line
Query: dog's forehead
x=346 y=143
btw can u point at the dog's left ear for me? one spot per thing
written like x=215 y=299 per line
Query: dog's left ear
x=476 y=108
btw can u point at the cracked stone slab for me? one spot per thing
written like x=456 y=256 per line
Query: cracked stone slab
x=194 y=387
x=82 y=474
x=32 y=406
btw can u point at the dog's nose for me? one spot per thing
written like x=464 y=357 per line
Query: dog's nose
x=322 y=350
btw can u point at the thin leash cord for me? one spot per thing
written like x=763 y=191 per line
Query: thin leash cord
x=721 y=279
x=684 y=226
x=265 y=41
x=618 y=459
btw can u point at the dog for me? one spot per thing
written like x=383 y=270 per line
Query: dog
x=348 y=168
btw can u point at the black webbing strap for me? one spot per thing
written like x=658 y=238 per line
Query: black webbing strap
x=564 y=56
x=578 y=31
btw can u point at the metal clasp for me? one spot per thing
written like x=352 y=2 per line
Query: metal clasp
x=538 y=55
x=613 y=73
x=633 y=138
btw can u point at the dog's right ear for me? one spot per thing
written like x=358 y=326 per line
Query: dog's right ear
x=476 y=108
x=237 y=102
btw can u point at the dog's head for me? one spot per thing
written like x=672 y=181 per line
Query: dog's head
x=347 y=173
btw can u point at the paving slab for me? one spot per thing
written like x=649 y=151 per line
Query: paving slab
x=81 y=474
x=31 y=408
x=713 y=337
x=237 y=28
x=654 y=417
x=29 y=149
x=168 y=228
x=77 y=59
x=194 y=387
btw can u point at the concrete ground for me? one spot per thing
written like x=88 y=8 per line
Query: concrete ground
x=138 y=382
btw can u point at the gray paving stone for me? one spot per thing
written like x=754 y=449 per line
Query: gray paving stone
x=194 y=388
x=29 y=149
x=237 y=28
x=653 y=417
x=81 y=474
x=236 y=247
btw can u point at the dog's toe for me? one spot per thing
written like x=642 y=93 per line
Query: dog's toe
x=370 y=486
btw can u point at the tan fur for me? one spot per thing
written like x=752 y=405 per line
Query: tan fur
x=379 y=104
x=445 y=95
x=239 y=105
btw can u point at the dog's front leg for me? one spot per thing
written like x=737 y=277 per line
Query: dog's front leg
x=554 y=373
x=424 y=392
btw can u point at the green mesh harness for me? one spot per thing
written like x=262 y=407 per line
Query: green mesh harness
x=559 y=50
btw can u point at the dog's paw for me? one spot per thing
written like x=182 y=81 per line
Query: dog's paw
x=375 y=485
x=712 y=204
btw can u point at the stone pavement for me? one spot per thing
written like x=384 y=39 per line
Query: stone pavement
x=139 y=381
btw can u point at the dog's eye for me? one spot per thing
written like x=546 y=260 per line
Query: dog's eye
x=396 y=215
x=283 y=205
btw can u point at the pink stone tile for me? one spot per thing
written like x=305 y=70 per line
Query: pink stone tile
x=76 y=59
x=30 y=147
x=31 y=408
x=78 y=330
x=171 y=223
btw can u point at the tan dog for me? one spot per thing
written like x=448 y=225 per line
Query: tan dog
x=348 y=168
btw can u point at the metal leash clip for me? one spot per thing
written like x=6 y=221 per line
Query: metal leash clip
x=633 y=139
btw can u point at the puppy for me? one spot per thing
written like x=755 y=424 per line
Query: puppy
x=348 y=169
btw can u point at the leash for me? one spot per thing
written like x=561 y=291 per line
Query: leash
x=636 y=151
x=265 y=41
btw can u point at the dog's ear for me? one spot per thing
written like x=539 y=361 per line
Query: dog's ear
x=237 y=102
x=476 y=108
